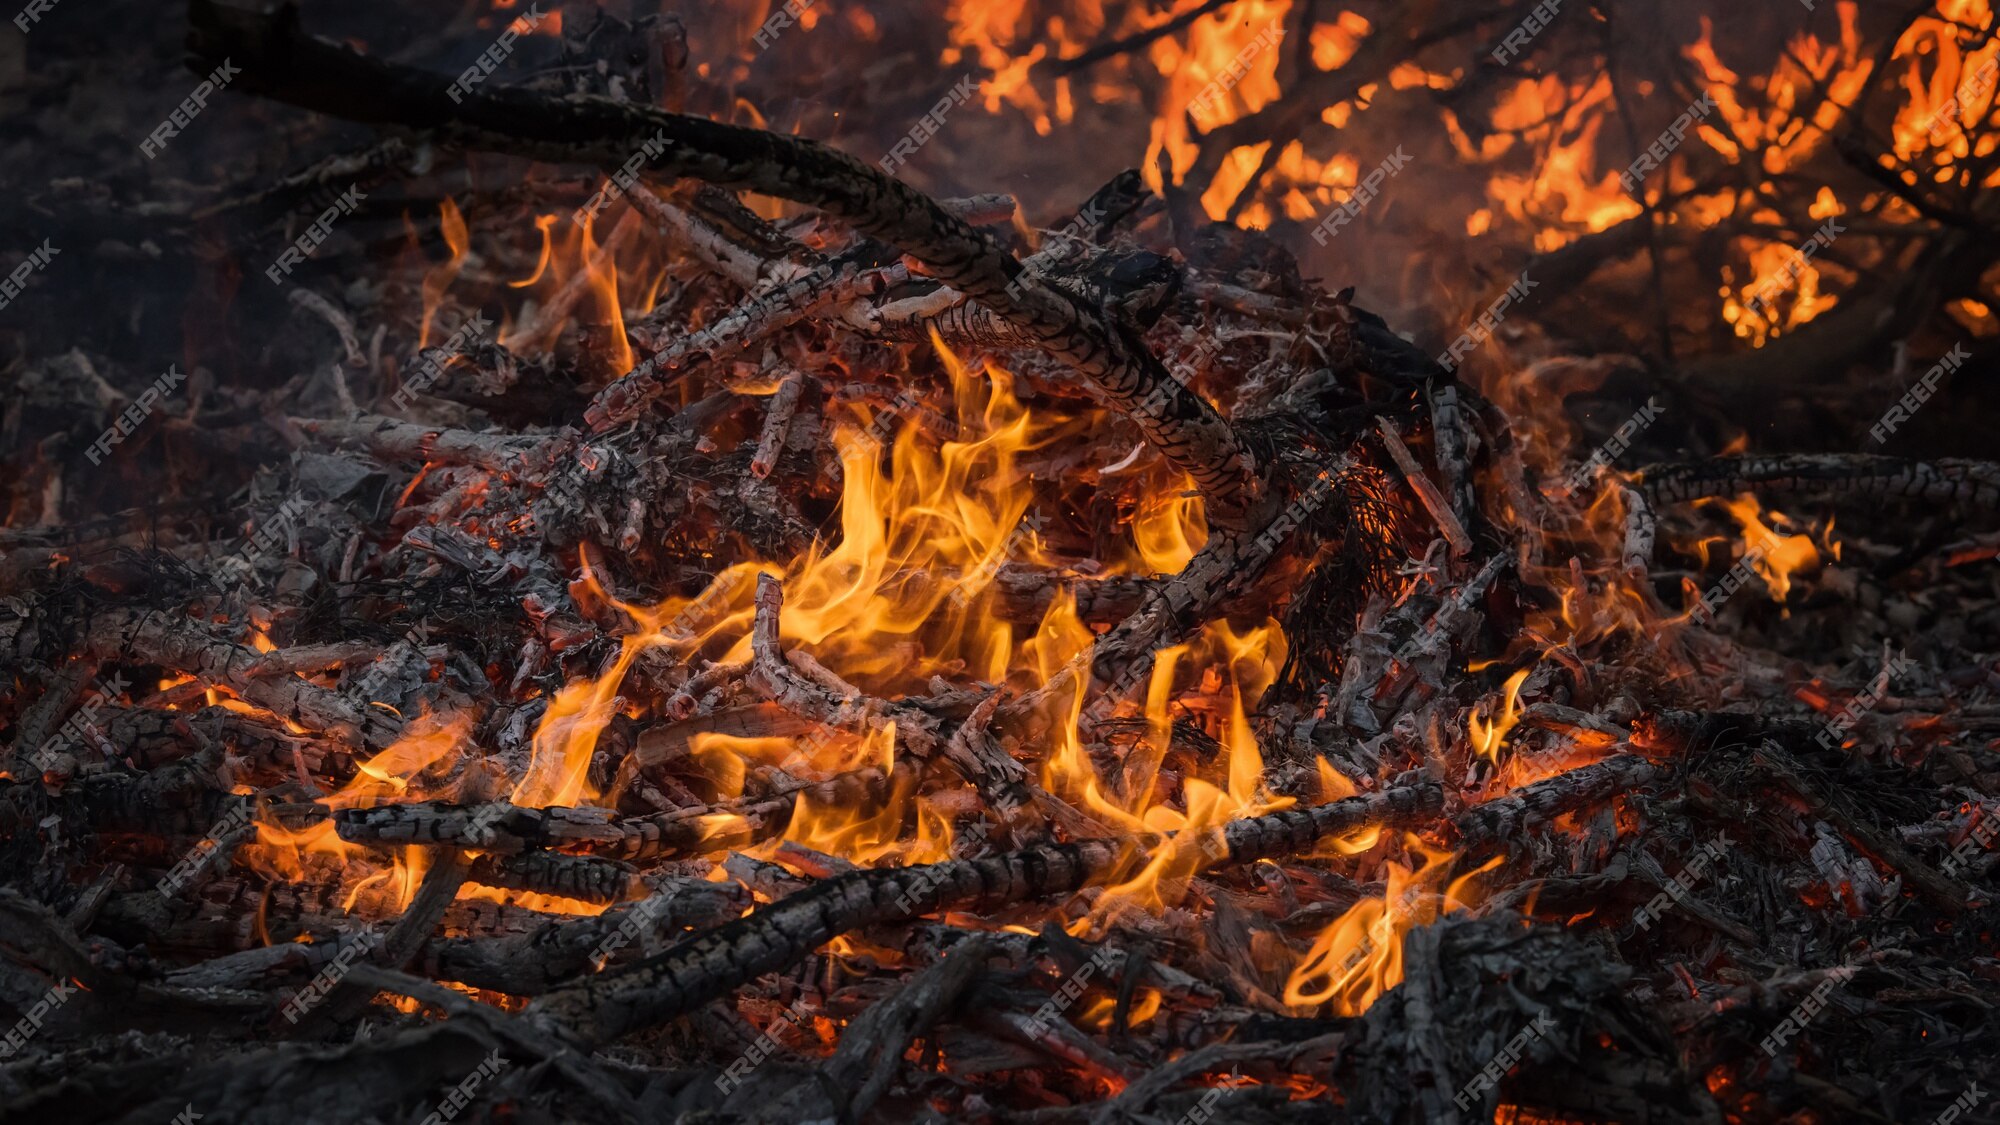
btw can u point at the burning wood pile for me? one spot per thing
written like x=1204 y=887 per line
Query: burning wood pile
x=908 y=663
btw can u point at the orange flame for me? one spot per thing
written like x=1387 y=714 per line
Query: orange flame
x=1489 y=735
x=1360 y=955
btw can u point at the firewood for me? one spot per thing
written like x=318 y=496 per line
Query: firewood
x=1433 y=500
x=277 y=59
x=1866 y=476
x=512 y=830
x=400 y=687
x=161 y=638
x=866 y=1060
x=621 y=1000
x=64 y=688
x=569 y=876
x=1503 y=819
x=1948 y=895
x=1449 y=427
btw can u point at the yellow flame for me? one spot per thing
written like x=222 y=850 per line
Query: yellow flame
x=1774 y=556
x=1489 y=735
x=439 y=277
x=395 y=775
x=1359 y=956
x=1169 y=529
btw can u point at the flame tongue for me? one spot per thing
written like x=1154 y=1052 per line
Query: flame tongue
x=1359 y=955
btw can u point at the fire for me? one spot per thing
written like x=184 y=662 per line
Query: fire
x=1360 y=955
x=900 y=598
x=1551 y=145
x=437 y=279
x=960 y=508
x=1138 y=803
x=546 y=225
x=1782 y=293
x=1333 y=785
x=1099 y=1013
x=1562 y=199
x=963 y=509
x=413 y=768
x=1489 y=735
x=1776 y=557
x=1226 y=68
x=987 y=33
x=1775 y=122
x=1167 y=530
x=600 y=264
x=1950 y=88
x=558 y=766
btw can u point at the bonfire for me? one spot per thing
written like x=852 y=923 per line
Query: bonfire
x=1002 y=561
